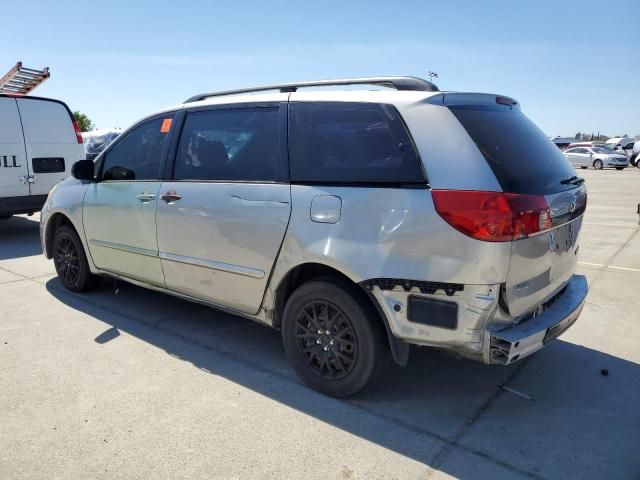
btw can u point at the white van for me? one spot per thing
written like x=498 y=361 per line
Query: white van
x=39 y=142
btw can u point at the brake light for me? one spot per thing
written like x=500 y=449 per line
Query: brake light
x=493 y=216
x=76 y=127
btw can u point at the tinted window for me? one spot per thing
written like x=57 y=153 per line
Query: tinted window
x=230 y=144
x=139 y=154
x=351 y=143
x=522 y=158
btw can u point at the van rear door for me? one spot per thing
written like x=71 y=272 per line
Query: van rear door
x=526 y=162
x=52 y=144
x=13 y=165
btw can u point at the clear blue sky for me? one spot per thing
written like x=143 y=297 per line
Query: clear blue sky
x=574 y=66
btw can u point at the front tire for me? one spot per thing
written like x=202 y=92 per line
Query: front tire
x=331 y=338
x=598 y=165
x=70 y=261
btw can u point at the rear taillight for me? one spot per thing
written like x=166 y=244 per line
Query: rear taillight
x=493 y=216
x=76 y=127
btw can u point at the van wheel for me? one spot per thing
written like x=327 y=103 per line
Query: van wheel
x=598 y=165
x=71 y=261
x=329 y=337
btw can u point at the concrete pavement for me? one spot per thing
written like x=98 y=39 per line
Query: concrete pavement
x=137 y=384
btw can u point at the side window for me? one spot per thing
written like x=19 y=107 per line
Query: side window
x=229 y=144
x=351 y=143
x=579 y=150
x=139 y=154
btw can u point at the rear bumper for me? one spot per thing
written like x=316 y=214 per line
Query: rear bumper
x=19 y=205
x=512 y=344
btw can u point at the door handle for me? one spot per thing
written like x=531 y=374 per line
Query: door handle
x=171 y=196
x=145 y=197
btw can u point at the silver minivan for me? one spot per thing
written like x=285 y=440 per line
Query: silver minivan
x=359 y=223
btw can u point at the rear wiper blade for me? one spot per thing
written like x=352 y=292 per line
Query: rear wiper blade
x=575 y=180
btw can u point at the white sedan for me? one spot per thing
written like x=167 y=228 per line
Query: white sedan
x=596 y=157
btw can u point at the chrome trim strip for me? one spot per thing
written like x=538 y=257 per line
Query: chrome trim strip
x=125 y=248
x=224 y=267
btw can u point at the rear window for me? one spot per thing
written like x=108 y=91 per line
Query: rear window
x=340 y=142
x=522 y=158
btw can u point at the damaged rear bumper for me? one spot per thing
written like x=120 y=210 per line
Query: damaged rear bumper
x=512 y=344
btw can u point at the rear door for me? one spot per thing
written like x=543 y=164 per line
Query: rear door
x=13 y=164
x=526 y=162
x=52 y=145
x=223 y=216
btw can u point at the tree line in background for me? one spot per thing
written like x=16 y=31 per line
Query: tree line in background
x=596 y=137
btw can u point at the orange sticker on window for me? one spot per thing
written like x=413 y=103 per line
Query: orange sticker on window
x=166 y=125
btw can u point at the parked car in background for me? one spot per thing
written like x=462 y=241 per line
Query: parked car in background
x=596 y=157
x=635 y=155
x=622 y=145
x=357 y=222
x=96 y=141
x=562 y=142
x=39 y=142
x=591 y=144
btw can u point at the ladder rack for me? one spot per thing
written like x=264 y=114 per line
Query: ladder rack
x=21 y=80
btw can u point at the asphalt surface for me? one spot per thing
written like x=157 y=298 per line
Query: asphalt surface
x=127 y=383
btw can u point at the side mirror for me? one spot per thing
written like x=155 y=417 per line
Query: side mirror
x=83 y=170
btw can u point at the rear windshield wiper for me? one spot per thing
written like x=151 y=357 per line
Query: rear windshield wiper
x=575 y=180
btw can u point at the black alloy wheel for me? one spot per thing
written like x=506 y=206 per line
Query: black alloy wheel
x=327 y=340
x=70 y=261
x=333 y=336
x=66 y=260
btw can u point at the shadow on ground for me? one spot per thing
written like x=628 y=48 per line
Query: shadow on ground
x=580 y=424
x=19 y=237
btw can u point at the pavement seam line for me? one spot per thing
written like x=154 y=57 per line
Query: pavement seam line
x=597 y=276
x=356 y=406
x=441 y=456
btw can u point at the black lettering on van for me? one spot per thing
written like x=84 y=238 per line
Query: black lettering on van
x=5 y=163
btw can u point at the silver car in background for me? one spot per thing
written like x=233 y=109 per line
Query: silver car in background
x=357 y=222
x=596 y=157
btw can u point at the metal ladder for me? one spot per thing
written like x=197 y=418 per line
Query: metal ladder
x=21 y=80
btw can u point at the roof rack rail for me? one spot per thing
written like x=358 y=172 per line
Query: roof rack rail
x=21 y=80
x=399 y=83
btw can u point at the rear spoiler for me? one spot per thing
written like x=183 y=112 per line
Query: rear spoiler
x=462 y=98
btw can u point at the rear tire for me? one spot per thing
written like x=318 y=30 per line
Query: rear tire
x=70 y=261
x=331 y=337
x=598 y=165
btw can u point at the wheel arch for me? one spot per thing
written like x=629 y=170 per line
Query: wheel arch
x=306 y=272
x=55 y=221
